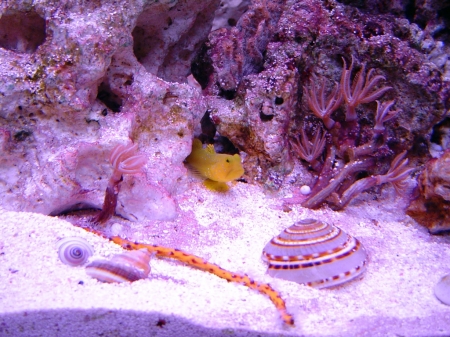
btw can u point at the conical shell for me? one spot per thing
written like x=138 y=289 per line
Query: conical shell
x=315 y=253
x=126 y=267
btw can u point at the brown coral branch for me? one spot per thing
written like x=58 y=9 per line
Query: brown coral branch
x=356 y=188
x=318 y=196
x=396 y=175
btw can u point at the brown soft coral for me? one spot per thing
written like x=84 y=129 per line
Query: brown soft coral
x=360 y=91
x=335 y=184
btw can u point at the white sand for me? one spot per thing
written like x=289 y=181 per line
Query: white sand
x=40 y=296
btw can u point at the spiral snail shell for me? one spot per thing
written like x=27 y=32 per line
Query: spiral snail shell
x=316 y=254
x=126 y=267
x=74 y=251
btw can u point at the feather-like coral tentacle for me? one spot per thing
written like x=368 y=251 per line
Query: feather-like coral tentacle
x=320 y=105
x=124 y=159
x=361 y=90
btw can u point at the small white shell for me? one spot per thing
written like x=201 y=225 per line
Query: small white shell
x=126 y=267
x=74 y=251
x=442 y=290
x=315 y=253
x=305 y=190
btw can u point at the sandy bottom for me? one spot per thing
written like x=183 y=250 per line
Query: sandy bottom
x=40 y=296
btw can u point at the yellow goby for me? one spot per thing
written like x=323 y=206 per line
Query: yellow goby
x=218 y=168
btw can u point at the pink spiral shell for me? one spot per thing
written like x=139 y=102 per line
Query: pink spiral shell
x=315 y=253
x=126 y=267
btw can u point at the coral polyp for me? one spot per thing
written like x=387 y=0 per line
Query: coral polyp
x=124 y=160
x=350 y=148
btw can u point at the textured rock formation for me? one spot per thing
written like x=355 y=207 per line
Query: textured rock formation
x=313 y=37
x=79 y=77
x=432 y=207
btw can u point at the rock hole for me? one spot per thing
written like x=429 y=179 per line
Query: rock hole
x=209 y=135
x=21 y=32
x=143 y=45
x=107 y=97
x=443 y=32
x=21 y=135
x=181 y=133
x=264 y=117
x=201 y=67
x=372 y=29
x=279 y=100
x=266 y=113
x=227 y=94
x=441 y=134
x=208 y=128
x=232 y=22
x=419 y=147
x=70 y=209
x=229 y=13
x=166 y=37
x=223 y=145
x=410 y=10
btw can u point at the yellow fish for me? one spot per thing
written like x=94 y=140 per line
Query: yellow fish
x=216 y=167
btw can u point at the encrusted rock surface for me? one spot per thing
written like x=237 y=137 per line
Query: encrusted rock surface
x=91 y=83
x=313 y=37
x=79 y=77
x=432 y=207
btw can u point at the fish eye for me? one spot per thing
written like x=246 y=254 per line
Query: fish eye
x=227 y=160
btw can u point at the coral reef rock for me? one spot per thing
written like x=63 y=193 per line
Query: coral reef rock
x=311 y=38
x=432 y=207
x=80 y=77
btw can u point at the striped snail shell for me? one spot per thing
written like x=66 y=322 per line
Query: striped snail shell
x=126 y=267
x=74 y=251
x=315 y=253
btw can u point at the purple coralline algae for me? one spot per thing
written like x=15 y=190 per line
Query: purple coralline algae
x=80 y=77
x=317 y=41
